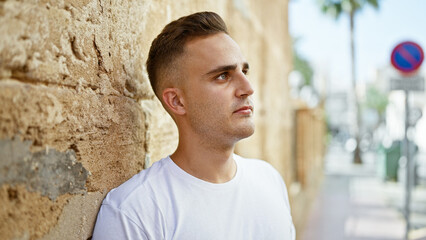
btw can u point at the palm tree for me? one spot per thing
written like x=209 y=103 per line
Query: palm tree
x=336 y=8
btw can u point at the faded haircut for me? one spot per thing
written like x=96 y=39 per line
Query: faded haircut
x=169 y=45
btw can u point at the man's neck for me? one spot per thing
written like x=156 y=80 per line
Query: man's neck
x=205 y=160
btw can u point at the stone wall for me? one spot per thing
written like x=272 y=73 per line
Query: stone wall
x=78 y=116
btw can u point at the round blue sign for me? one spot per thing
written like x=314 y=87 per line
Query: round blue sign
x=407 y=57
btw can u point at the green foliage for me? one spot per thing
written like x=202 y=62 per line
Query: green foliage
x=336 y=7
x=302 y=65
x=376 y=100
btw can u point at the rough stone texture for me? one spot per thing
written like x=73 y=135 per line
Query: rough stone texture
x=76 y=44
x=105 y=132
x=161 y=136
x=73 y=84
x=80 y=212
x=27 y=215
x=49 y=172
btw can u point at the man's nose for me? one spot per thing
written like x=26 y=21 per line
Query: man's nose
x=244 y=88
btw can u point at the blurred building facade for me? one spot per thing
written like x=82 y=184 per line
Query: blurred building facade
x=395 y=110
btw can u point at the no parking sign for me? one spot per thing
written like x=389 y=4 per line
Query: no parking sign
x=407 y=57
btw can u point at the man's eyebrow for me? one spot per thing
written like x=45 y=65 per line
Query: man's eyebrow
x=227 y=68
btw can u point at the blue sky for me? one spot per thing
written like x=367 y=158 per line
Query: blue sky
x=324 y=42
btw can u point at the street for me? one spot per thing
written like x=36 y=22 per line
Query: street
x=355 y=204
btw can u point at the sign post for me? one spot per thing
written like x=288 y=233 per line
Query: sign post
x=407 y=58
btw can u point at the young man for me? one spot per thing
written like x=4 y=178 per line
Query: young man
x=203 y=190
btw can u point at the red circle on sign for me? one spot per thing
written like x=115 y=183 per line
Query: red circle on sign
x=407 y=57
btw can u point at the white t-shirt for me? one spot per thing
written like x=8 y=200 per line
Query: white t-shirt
x=165 y=202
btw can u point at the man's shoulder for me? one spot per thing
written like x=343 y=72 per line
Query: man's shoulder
x=138 y=186
x=259 y=169
x=123 y=208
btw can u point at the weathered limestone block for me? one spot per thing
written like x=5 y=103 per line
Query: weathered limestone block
x=51 y=173
x=106 y=132
x=75 y=43
x=105 y=135
x=27 y=215
x=77 y=218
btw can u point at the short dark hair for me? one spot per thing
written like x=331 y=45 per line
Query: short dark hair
x=170 y=43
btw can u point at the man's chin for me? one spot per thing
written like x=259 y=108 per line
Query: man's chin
x=246 y=131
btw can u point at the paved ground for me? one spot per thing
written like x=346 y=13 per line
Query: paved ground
x=355 y=204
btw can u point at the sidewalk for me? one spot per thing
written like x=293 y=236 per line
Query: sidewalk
x=354 y=204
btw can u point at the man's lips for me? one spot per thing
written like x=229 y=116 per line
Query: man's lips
x=245 y=110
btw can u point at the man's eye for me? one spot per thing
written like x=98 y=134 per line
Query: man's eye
x=246 y=71
x=222 y=76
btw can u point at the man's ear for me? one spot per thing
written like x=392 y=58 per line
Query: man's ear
x=172 y=98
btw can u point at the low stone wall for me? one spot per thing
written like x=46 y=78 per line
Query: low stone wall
x=309 y=150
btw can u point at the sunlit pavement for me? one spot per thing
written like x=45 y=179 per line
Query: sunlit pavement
x=355 y=204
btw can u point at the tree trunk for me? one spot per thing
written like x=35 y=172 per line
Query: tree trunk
x=357 y=122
